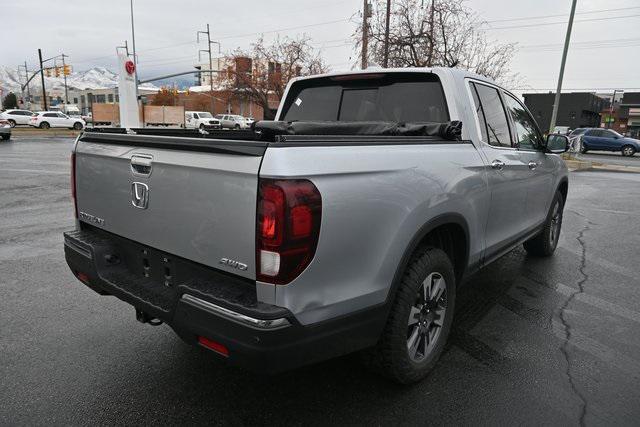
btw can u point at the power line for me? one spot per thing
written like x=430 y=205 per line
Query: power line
x=558 y=23
x=527 y=18
x=236 y=36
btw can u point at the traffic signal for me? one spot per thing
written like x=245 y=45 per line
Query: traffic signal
x=66 y=70
x=56 y=71
x=47 y=72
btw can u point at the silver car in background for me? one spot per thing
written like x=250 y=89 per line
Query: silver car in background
x=232 y=121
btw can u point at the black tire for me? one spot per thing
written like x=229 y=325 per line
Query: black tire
x=44 y=125
x=391 y=355
x=583 y=149
x=6 y=137
x=628 y=150
x=545 y=243
x=237 y=127
x=12 y=123
x=201 y=126
x=77 y=125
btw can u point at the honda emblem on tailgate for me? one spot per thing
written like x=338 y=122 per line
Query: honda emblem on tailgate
x=140 y=195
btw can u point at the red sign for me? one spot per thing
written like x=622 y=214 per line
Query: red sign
x=130 y=67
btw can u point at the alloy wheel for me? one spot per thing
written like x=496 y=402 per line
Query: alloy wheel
x=426 y=317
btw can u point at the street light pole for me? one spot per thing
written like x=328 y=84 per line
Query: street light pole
x=556 y=101
x=135 y=58
x=64 y=73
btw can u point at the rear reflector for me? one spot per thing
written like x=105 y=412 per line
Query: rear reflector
x=213 y=345
x=73 y=184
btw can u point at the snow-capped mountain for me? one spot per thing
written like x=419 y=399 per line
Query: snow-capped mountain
x=94 y=78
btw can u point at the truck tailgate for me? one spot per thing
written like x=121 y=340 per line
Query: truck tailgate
x=185 y=196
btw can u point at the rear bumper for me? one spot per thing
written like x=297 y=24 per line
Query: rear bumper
x=202 y=302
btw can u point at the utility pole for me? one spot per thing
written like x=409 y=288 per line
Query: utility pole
x=208 y=50
x=26 y=85
x=44 y=90
x=431 y=32
x=26 y=75
x=64 y=73
x=366 y=13
x=613 y=100
x=556 y=101
x=385 y=63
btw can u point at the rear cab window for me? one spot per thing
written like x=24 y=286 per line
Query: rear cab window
x=388 y=97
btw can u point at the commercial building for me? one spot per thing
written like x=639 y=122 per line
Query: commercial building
x=624 y=116
x=577 y=109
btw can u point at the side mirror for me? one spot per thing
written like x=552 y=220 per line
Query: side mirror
x=557 y=143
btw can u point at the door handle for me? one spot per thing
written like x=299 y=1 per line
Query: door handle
x=533 y=165
x=497 y=164
x=141 y=164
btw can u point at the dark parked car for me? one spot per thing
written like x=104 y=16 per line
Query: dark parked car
x=608 y=140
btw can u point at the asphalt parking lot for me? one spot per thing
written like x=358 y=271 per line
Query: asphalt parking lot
x=536 y=341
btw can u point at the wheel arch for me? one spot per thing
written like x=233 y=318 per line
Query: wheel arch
x=452 y=223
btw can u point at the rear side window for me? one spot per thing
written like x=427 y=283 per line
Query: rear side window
x=495 y=116
x=389 y=97
x=50 y=115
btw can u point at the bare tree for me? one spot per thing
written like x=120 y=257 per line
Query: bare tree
x=271 y=66
x=428 y=33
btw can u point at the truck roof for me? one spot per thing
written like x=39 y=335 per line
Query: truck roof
x=457 y=73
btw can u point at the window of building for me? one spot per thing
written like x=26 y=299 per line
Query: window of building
x=110 y=97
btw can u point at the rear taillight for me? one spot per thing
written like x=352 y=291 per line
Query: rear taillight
x=288 y=227
x=73 y=184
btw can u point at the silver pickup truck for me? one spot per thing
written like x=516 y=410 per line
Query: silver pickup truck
x=346 y=225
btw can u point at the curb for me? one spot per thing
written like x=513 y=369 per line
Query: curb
x=576 y=165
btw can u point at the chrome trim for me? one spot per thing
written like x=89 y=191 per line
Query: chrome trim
x=237 y=317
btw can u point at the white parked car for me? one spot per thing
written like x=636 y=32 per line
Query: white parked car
x=55 y=119
x=17 y=117
x=200 y=120
x=232 y=121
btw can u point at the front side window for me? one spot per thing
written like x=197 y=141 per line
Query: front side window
x=526 y=131
x=497 y=126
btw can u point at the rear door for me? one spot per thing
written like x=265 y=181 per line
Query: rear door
x=527 y=139
x=592 y=139
x=199 y=205
x=508 y=169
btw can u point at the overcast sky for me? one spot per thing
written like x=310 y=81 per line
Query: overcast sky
x=604 y=52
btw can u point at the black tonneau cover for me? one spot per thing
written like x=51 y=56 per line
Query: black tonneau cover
x=269 y=130
x=280 y=131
